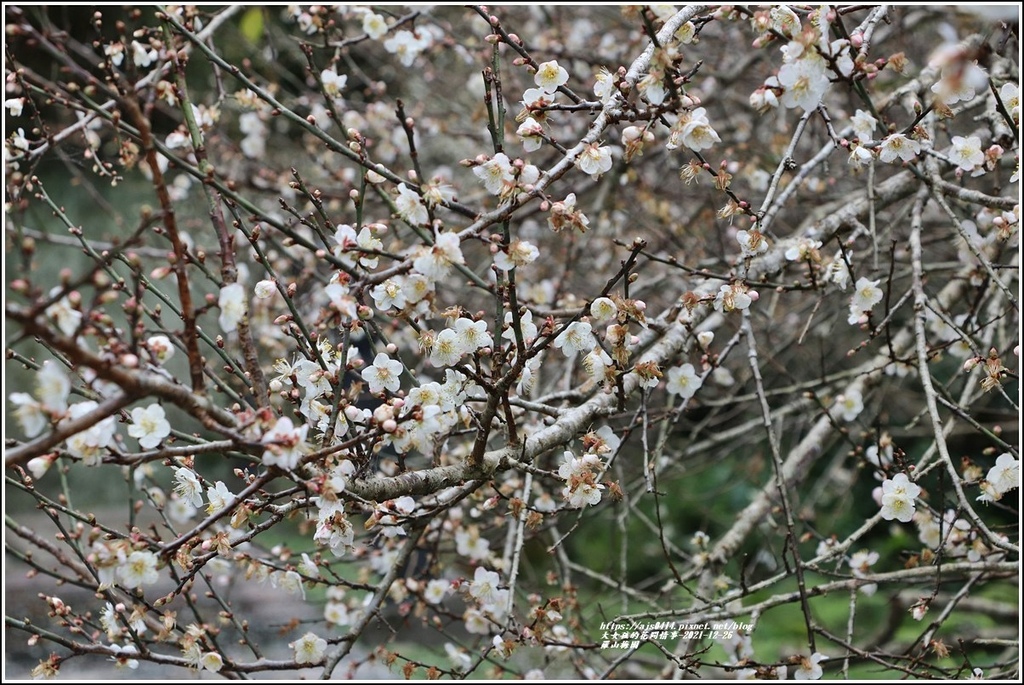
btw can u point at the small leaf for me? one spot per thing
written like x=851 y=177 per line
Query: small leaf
x=251 y=24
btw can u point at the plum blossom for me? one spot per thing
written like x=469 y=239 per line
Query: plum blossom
x=752 y=243
x=188 y=487
x=550 y=76
x=966 y=153
x=863 y=125
x=218 y=497
x=89 y=444
x=64 y=314
x=683 y=381
x=898 y=145
x=138 y=569
x=530 y=131
x=866 y=295
x=565 y=215
x=149 y=425
x=408 y=45
x=733 y=296
x=804 y=81
x=1001 y=478
x=232 y=303
x=576 y=337
x=495 y=173
x=604 y=85
x=603 y=309
x=410 y=206
x=143 y=55
x=436 y=261
x=520 y=253
x=809 y=669
x=850 y=404
x=484 y=587
x=694 y=131
x=595 y=159
x=1009 y=94
x=310 y=648
x=285 y=444
x=374 y=25
x=384 y=374
x=898 y=495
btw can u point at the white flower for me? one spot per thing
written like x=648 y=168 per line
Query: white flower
x=469 y=543
x=161 y=348
x=88 y=444
x=67 y=318
x=458 y=658
x=333 y=528
x=472 y=335
x=805 y=81
x=526 y=327
x=122 y=656
x=484 y=586
x=496 y=173
x=603 y=309
x=595 y=160
x=576 y=337
x=447 y=349
x=265 y=289
x=138 y=569
x=374 y=25
x=232 y=306
x=604 y=85
x=14 y=105
x=436 y=261
x=550 y=76
x=837 y=272
x=435 y=591
x=383 y=374
x=582 y=495
x=863 y=125
x=520 y=253
x=211 y=661
x=143 y=55
x=898 y=145
x=966 y=153
x=30 y=414
x=959 y=82
x=310 y=648
x=1010 y=95
x=530 y=131
x=752 y=243
x=683 y=381
x=898 y=496
x=388 y=294
x=115 y=51
x=149 y=425
x=410 y=206
x=1005 y=475
x=285 y=444
x=784 y=20
x=652 y=88
x=809 y=668
x=219 y=497
x=850 y=405
x=407 y=45
x=866 y=295
x=694 y=131
x=804 y=250
x=860 y=156
x=733 y=296
x=188 y=487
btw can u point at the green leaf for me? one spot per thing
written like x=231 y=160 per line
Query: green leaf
x=251 y=25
